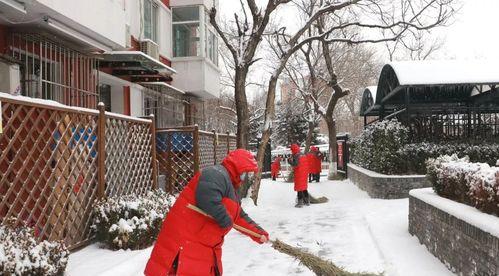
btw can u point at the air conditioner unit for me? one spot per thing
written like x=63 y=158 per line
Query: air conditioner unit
x=150 y=48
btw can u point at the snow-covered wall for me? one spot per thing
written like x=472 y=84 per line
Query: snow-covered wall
x=385 y=186
x=463 y=238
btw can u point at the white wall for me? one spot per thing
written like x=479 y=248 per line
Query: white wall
x=117 y=99
x=136 y=105
x=197 y=76
x=104 y=17
x=212 y=79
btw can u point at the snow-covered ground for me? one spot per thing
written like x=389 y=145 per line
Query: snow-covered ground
x=353 y=230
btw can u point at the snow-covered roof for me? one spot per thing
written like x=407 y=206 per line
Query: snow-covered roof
x=446 y=72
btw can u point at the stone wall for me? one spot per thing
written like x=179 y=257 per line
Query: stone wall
x=464 y=248
x=385 y=186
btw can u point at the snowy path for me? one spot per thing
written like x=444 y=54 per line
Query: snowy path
x=352 y=230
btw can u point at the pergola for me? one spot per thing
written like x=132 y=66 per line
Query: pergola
x=437 y=100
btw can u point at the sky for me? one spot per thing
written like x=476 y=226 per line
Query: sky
x=473 y=35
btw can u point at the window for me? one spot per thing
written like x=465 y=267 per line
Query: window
x=186 y=41
x=105 y=96
x=186 y=14
x=150 y=20
x=211 y=46
x=168 y=110
x=186 y=32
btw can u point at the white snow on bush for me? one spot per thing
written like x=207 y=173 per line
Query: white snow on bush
x=480 y=180
x=130 y=221
x=21 y=254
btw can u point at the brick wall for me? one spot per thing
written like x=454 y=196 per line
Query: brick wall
x=462 y=247
x=385 y=186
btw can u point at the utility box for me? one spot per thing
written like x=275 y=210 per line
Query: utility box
x=10 y=78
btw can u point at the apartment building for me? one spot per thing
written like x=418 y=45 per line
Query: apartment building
x=139 y=57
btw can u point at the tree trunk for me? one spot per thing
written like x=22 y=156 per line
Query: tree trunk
x=333 y=158
x=310 y=135
x=241 y=108
x=269 y=117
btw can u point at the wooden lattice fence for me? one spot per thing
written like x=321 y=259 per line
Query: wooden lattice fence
x=183 y=151
x=56 y=160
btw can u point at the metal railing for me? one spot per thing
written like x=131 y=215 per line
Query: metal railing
x=183 y=151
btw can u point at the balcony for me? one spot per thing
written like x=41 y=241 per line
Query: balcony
x=195 y=51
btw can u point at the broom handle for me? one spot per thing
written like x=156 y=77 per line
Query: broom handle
x=238 y=227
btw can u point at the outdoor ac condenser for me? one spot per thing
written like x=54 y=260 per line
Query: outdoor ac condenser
x=150 y=48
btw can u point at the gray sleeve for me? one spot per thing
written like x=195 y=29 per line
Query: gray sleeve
x=245 y=216
x=293 y=161
x=209 y=193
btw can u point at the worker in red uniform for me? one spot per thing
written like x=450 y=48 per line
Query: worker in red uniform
x=275 y=168
x=190 y=243
x=315 y=161
x=300 y=165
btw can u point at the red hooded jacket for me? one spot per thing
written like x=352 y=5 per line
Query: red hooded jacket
x=275 y=167
x=300 y=165
x=196 y=240
x=315 y=160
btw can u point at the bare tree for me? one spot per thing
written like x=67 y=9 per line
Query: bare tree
x=242 y=39
x=346 y=22
x=416 y=45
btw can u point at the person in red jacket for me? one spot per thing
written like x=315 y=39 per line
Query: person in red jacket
x=275 y=168
x=190 y=243
x=315 y=160
x=300 y=165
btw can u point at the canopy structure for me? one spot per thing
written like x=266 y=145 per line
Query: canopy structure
x=441 y=99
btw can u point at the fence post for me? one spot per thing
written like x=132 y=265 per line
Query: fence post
x=153 y=153
x=215 y=144
x=228 y=142
x=101 y=151
x=196 y=148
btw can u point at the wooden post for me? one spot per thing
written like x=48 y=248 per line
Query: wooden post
x=215 y=143
x=153 y=154
x=169 y=170
x=101 y=150
x=196 y=148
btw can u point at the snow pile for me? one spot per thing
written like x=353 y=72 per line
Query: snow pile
x=476 y=184
x=130 y=222
x=21 y=254
x=377 y=146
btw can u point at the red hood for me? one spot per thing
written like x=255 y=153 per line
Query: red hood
x=295 y=149
x=313 y=148
x=238 y=162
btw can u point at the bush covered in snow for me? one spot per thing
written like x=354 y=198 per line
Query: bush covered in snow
x=383 y=147
x=414 y=156
x=476 y=184
x=130 y=222
x=377 y=147
x=21 y=254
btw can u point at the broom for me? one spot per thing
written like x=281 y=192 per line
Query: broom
x=319 y=266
